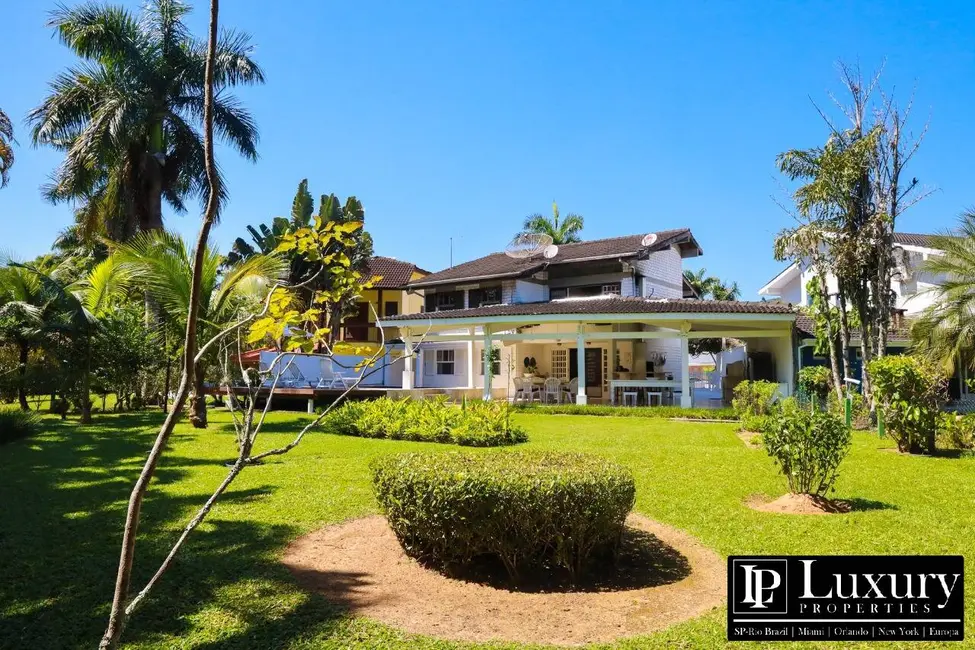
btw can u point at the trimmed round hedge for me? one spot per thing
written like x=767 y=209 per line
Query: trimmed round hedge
x=529 y=509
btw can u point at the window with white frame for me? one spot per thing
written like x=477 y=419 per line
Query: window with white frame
x=612 y=289
x=445 y=362
x=495 y=362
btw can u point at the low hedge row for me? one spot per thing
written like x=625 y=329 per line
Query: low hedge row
x=631 y=411
x=472 y=424
x=528 y=509
x=17 y=424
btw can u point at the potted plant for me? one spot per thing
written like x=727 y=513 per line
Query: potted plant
x=531 y=367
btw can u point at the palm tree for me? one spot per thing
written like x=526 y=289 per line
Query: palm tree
x=565 y=231
x=709 y=287
x=163 y=263
x=127 y=118
x=6 y=150
x=945 y=332
x=23 y=311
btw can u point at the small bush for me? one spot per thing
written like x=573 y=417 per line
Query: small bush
x=815 y=380
x=956 y=431
x=629 y=411
x=756 y=423
x=17 y=424
x=808 y=447
x=475 y=424
x=754 y=398
x=859 y=410
x=910 y=392
x=528 y=509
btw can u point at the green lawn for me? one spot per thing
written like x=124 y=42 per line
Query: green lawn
x=62 y=499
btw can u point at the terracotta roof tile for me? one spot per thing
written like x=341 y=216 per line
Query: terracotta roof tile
x=499 y=265
x=396 y=274
x=806 y=328
x=608 y=305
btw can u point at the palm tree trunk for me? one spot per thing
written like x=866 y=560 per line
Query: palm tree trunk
x=22 y=384
x=150 y=210
x=198 y=403
x=86 y=389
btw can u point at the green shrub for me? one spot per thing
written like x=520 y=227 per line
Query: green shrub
x=956 y=431
x=754 y=398
x=910 y=392
x=755 y=423
x=475 y=424
x=629 y=411
x=859 y=410
x=815 y=381
x=17 y=424
x=808 y=446
x=529 y=509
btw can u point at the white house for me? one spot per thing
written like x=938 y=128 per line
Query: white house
x=909 y=284
x=614 y=314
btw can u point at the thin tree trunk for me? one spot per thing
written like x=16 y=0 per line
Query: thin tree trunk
x=198 y=403
x=833 y=360
x=118 y=616
x=844 y=335
x=22 y=372
x=86 y=389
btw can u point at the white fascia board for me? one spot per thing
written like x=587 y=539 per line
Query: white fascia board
x=774 y=286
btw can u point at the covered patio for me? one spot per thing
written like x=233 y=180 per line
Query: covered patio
x=616 y=349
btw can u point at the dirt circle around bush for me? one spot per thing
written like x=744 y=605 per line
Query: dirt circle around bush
x=360 y=565
x=798 y=504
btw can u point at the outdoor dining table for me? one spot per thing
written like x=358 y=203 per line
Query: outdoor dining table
x=617 y=384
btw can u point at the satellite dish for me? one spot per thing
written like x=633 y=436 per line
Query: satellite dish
x=649 y=240
x=527 y=245
x=550 y=251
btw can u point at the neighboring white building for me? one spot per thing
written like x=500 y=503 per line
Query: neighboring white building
x=609 y=313
x=910 y=285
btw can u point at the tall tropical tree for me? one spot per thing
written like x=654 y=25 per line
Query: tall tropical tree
x=562 y=230
x=945 y=331
x=127 y=117
x=709 y=287
x=164 y=263
x=6 y=148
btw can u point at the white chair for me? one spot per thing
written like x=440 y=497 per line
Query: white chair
x=630 y=397
x=524 y=391
x=655 y=393
x=332 y=376
x=552 y=390
x=571 y=390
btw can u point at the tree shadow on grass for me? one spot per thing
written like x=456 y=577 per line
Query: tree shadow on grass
x=64 y=496
x=862 y=505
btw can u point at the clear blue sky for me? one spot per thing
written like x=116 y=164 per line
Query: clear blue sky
x=456 y=119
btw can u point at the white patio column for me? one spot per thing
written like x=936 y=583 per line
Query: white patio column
x=311 y=405
x=488 y=375
x=407 y=364
x=581 y=397
x=686 y=399
x=470 y=359
x=612 y=368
